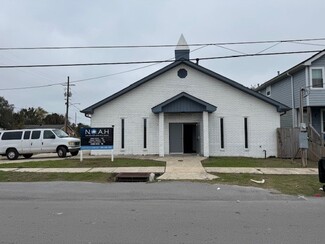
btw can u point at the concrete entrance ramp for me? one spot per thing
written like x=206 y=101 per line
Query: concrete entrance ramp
x=185 y=168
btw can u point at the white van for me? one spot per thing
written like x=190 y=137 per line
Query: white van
x=27 y=142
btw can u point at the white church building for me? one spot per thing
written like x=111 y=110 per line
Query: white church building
x=186 y=108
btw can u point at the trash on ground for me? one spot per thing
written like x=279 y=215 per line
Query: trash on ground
x=302 y=197
x=259 y=181
x=151 y=177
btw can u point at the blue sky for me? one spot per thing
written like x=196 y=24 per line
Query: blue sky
x=33 y=23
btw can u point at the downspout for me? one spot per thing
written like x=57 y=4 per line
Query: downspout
x=292 y=100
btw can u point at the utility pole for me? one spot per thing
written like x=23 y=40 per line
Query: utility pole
x=67 y=94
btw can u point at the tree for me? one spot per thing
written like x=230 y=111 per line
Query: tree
x=32 y=116
x=54 y=119
x=18 y=121
x=6 y=114
x=77 y=128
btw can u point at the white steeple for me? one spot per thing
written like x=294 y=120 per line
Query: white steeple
x=182 y=50
x=182 y=44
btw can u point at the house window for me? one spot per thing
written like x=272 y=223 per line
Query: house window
x=317 y=77
x=222 y=138
x=246 y=132
x=145 y=133
x=122 y=133
x=182 y=73
x=268 y=91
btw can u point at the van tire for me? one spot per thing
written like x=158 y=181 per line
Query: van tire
x=12 y=154
x=62 y=152
x=28 y=155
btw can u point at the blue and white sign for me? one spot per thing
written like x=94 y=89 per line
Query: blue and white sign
x=96 y=138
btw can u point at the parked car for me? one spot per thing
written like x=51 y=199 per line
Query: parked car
x=27 y=142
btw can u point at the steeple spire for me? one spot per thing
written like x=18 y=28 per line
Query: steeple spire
x=182 y=51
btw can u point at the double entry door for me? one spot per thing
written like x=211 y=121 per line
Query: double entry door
x=184 y=138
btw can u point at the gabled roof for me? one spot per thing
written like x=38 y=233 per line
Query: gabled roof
x=280 y=107
x=184 y=103
x=292 y=70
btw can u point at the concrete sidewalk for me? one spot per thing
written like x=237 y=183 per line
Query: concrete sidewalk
x=185 y=168
x=176 y=171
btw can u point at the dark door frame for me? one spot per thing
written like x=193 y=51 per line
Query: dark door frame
x=190 y=135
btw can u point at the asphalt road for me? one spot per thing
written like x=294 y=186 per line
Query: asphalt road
x=164 y=212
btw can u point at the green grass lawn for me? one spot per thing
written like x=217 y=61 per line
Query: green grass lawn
x=307 y=185
x=37 y=177
x=254 y=162
x=87 y=163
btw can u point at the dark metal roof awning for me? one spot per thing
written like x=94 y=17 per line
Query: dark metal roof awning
x=184 y=103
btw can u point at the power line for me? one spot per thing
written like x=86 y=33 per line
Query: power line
x=152 y=61
x=310 y=44
x=159 y=45
x=117 y=73
x=273 y=45
x=122 y=72
x=82 y=64
x=76 y=81
x=259 y=54
x=31 y=87
x=127 y=71
x=230 y=49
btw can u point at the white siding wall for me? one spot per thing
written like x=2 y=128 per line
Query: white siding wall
x=232 y=104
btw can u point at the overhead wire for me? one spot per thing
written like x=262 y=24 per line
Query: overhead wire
x=268 y=48
x=310 y=44
x=151 y=61
x=26 y=71
x=131 y=70
x=157 y=45
x=260 y=54
x=230 y=49
x=154 y=62
x=92 y=78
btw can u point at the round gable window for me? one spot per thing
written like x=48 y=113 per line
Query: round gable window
x=182 y=73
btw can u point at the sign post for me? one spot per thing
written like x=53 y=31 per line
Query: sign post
x=97 y=139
